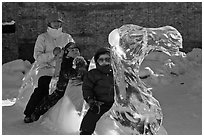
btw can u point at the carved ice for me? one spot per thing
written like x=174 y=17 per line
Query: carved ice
x=135 y=110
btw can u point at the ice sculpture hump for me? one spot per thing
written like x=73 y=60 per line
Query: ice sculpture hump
x=135 y=110
x=166 y=39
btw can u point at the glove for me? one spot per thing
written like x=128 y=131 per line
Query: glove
x=56 y=51
x=94 y=105
x=79 y=62
x=81 y=72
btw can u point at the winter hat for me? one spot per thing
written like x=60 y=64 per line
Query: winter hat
x=71 y=45
x=54 y=16
x=101 y=51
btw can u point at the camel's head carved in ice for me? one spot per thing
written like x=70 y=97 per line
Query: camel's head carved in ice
x=131 y=43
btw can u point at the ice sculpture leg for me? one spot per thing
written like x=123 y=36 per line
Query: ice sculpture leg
x=65 y=116
x=108 y=126
x=135 y=110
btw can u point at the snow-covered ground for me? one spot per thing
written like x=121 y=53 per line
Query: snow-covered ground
x=176 y=84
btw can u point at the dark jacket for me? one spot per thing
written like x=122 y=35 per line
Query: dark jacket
x=98 y=83
x=68 y=72
x=99 y=86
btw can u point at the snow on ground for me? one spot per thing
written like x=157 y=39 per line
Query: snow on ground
x=176 y=84
x=179 y=92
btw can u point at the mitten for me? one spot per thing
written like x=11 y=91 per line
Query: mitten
x=94 y=105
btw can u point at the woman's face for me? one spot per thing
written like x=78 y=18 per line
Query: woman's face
x=56 y=24
x=104 y=59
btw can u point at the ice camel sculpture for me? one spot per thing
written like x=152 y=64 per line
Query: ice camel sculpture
x=135 y=110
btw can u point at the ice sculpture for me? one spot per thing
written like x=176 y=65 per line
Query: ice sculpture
x=135 y=110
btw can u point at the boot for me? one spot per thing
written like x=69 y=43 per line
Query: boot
x=28 y=119
x=34 y=117
x=85 y=133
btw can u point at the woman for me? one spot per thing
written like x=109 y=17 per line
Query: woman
x=44 y=65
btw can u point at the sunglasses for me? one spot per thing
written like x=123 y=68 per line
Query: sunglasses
x=104 y=59
x=73 y=50
x=56 y=24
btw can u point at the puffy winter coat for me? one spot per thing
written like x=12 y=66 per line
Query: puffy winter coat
x=43 y=51
x=98 y=85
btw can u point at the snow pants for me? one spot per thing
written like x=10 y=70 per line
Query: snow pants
x=89 y=121
x=50 y=100
x=39 y=93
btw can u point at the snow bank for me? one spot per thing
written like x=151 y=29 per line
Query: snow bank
x=195 y=56
x=160 y=69
x=12 y=75
x=16 y=66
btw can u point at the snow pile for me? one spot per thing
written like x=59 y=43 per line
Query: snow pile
x=160 y=69
x=195 y=56
x=17 y=66
x=12 y=75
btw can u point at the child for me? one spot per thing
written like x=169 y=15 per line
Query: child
x=98 y=91
x=71 y=51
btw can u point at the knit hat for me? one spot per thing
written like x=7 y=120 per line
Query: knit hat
x=55 y=16
x=71 y=45
x=101 y=51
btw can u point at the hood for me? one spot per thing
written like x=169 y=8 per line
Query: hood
x=100 y=52
x=105 y=69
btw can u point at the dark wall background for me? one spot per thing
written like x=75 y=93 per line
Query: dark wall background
x=90 y=23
